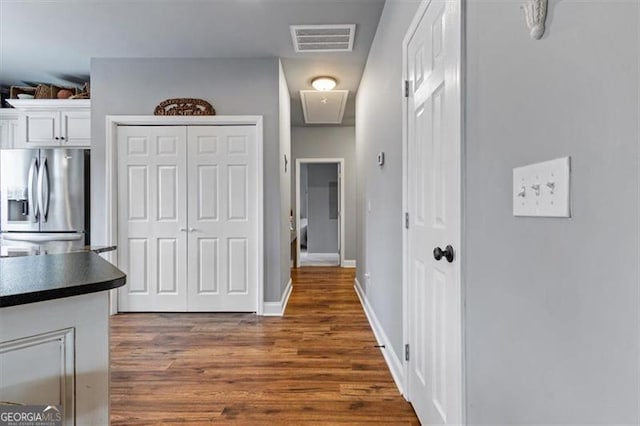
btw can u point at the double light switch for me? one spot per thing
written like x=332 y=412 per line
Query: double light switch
x=542 y=189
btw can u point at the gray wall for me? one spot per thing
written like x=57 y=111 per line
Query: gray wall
x=552 y=304
x=333 y=142
x=233 y=86
x=284 y=106
x=379 y=128
x=551 y=309
x=304 y=189
x=322 y=230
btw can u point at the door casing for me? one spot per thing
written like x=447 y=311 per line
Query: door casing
x=111 y=178
x=340 y=162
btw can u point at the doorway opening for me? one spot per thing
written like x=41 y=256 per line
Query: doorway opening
x=319 y=201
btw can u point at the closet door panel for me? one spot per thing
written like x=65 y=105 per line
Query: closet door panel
x=152 y=217
x=237 y=192
x=207 y=197
x=208 y=271
x=222 y=208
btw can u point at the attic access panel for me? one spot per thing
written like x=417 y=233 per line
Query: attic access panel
x=323 y=38
x=326 y=107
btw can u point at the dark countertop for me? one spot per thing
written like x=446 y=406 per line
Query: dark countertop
x=34 y=250
x=30 y=279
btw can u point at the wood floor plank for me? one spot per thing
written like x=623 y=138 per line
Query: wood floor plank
x=316 y=365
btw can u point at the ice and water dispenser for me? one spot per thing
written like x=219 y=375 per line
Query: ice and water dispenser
x=17 y=204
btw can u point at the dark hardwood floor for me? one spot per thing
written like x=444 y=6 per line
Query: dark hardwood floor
x=316 y=365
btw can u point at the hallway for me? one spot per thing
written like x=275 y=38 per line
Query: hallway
x=315 y=365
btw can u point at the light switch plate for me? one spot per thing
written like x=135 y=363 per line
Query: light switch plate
x=543 y=189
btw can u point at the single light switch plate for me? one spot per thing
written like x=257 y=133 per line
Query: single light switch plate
x=542 y=189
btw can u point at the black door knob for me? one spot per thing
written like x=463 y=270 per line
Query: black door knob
x=447 y=253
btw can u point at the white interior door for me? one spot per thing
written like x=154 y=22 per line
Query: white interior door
x=433 y=160
x=152 y=217
x=222 y=218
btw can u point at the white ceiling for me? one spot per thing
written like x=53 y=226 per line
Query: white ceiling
x=52 y=41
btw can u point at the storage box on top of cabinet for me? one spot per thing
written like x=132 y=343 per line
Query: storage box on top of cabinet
x=50 y=122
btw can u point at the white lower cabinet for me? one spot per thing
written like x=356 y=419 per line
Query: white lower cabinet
x=38 y=370
x=188 y=218
x=56 y=352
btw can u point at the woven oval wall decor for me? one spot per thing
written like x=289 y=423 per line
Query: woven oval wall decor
x=184 y=106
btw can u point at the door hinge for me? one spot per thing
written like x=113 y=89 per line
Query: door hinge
x=406 y=220
x=406 y=352
x=406 y=88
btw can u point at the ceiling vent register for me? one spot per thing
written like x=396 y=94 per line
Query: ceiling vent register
x=323 y=38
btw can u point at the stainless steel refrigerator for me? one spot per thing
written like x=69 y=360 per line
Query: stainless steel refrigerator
x=44 y=198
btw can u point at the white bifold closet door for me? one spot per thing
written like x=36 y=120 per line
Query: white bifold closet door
x=152 y=218
x=222 y=217
x=187 y=218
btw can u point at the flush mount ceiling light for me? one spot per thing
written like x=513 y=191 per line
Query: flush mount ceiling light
x=323 y=83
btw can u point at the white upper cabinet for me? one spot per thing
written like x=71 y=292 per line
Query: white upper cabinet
x=50 y=122
x=41 y=128
x=75 y=127
x=8 y=127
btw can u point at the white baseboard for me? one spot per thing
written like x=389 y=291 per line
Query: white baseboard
x=393 y=362
x=309 y=253
x=276 y=309
x=349 y=263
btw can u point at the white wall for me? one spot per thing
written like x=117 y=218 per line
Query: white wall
x=333 y=142
x=552 y=304
x=233 y=86
x=284 y=108
x=379 y=128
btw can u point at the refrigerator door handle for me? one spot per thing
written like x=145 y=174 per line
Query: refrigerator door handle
x=43 y=238
x=31 y=191
x=43 y=189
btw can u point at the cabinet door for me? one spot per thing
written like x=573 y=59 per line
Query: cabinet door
x=152 y=217
x=39 y=128
x=8 y=133
x=75 y=128
x=40 y=370
x=223 y=220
